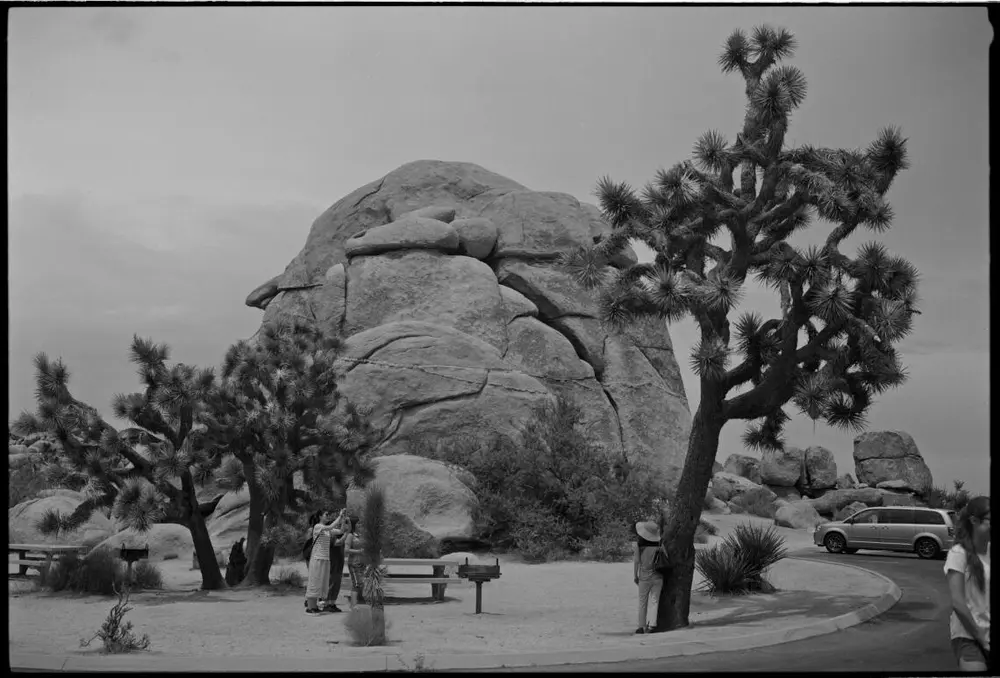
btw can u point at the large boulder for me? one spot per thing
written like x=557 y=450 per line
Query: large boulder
x=834 y=500
x=725 y=486
x=786 y=493
x=797 y=514
x=22 y=520
x=783 y=467
x=849 y=510
x=431 y=493
x=443 y=280
x=820 y=469
x=745 y=466
x=891 y=455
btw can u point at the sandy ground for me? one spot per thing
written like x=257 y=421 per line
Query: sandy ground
x=551 y=606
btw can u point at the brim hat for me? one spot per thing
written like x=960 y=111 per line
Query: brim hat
x=648 y=530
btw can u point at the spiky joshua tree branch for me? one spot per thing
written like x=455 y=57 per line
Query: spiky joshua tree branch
x=832 y=348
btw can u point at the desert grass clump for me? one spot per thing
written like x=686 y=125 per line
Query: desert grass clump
x=739 y=565
x=941 y=498
x=116 y=633
x=290 y=577
x=147 y=576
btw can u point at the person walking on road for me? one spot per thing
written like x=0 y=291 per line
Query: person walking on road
x=650 y=581
x=967 y=568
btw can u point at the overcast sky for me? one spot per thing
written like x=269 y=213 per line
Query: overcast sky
x=163 y=162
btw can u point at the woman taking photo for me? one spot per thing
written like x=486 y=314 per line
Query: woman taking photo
x=319 y=559
x=968 y=571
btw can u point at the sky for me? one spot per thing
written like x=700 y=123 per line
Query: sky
x=164 y=161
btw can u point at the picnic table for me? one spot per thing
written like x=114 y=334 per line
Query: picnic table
x=438 y=578
x=37 y=556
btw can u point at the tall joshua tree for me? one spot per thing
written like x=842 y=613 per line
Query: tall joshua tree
x=830 y=352
x=147 y=473
x=283 y=414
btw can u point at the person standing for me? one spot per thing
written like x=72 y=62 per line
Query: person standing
x=650 y=581
x=351 y=542
x=319 y=560
x=337 y=546
x=967 y=568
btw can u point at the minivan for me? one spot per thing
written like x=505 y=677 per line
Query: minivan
x=925 y=531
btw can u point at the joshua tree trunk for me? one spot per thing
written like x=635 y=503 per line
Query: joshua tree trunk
x=685 y=512
x=211 y=575
x=259 y=557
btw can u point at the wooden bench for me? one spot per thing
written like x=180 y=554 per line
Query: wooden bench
x=438 y=579
x=37 y=556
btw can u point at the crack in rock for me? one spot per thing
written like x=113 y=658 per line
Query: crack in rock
x=368 y=195
x=614 y=406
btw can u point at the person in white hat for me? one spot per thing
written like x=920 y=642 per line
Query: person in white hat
x=650 y=581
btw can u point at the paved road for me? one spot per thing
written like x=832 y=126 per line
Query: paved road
x=912 y=636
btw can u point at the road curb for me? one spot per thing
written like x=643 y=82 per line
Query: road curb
x=443 y=662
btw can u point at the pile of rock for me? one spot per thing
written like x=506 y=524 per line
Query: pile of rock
x=807 y=489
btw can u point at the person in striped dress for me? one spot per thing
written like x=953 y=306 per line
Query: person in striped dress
x=319 y=561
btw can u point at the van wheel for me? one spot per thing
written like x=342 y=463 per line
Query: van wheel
x=927 y=548
x=850 y=551
x=835 y=543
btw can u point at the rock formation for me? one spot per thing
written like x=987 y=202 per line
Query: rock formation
x=881 y=456
x=442 y=279
x=782 y=467
x=797 y=514
x=819 y=470
x=745 y=466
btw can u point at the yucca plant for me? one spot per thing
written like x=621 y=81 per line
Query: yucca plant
x=761 y=546
x=727 y=215
x=366 y=623
x=724 y=570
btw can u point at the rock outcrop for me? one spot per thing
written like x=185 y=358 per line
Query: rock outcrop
x=433 y=495
x=442 y=279
x=745 y=466
x=725 y=486
x=782 y=467
x=881 y=456
x=819 y=470
x=846 y=482
x=849 y=510
x=797 y=514
x=835 y=500
x=23 y=519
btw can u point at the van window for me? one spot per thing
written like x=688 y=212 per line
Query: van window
x=897 y=516
x=929 y=518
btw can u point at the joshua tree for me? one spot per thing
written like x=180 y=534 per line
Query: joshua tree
x=830 y=352
x=148 y=473
x=283 y=415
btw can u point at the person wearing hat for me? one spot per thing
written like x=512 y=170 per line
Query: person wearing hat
x=650 y=581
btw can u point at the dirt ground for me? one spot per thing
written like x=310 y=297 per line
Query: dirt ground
x=552 y=606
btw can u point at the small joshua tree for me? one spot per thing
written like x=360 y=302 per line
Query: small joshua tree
x=831 y=349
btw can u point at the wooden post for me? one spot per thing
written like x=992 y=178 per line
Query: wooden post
x=479 y=596
x=22 y=569
x=437 y=590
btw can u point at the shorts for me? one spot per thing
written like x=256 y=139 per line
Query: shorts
x=356 y=570
x=968 y=650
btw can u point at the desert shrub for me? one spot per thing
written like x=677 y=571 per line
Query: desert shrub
x=289 y=576
x=941 y=498
x=59 y=576
x=612 y=545
x=146 y=575
x=115 y=633
x=361 y=626
x=551 y=476
x=285 y=538
x=756 y=502
x=98 y=572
